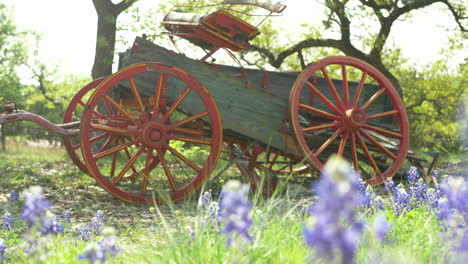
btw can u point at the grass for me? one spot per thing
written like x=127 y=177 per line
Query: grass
x=149 y=234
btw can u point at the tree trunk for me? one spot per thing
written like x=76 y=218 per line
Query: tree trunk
x=107 y=13
x=105 y=44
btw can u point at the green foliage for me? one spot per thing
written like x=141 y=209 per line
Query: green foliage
x=433 y=97
x=12 y=54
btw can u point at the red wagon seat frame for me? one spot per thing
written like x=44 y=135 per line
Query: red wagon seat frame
x=217 y=30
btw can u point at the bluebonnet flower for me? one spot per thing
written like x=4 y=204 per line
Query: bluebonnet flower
x=50 y=224
x=381 y=227
x=234 y=210
x=66 y=216
x=84 y=233
x=101 y=250
x=464 y=242
x=418 y=192
x=100 y=216
x=333 y=229
x=401 y=200
x=390 y=185
x=432 y=197
x=95 y=225
x=456 y=191
x=413 y=175
x=7 y=221
x=307 y=209
x=108 y=241
x=366 y=194
x=35 y=205
x=2 y=250
x=206 y=200
x=14 y=196
x=379 y=203
x=93 y=252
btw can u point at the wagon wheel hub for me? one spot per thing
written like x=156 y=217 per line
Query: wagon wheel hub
x=354 y=118
x=154 y=135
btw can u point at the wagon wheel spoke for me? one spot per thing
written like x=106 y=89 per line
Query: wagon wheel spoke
x=319 y=112
x=184 y=159
x=190 y=119
x=127 y=166
x=344 y=74
x=384 y=114
x=115 y=149
x=136 y=95
x=367 y=153
x=343 y=144
x=328 y=142
x=377 y=144
x=322 y=97
x=167 y=171
x=373 y=98
x=162 y=78
x=321 y=127
x=384 y=131
x=354 y=151
x=359 y=89
x=115 y=130
x=175 y=104
x=121 y=110
x=333 y=90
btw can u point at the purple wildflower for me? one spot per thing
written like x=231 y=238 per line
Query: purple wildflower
x=84 y=233
x=95 y=225
x=390 y=185
x=381 y=227
x=234 y=210
x=50 y=224
x=456 y=191
x=418 y=192
x=3 y=248
x=413 y=175
x=307 y=209
x=401 y=200
x=35 y=205
x=432 y=198
x=93 y=252
x=100 y=216
x=333 y=228
x=206 y=200
x=464 y=242
x=99 y=251
x=14 y=196
x=7 y=221
x=66 y=216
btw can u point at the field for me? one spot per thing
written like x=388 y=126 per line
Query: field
x=329 y=223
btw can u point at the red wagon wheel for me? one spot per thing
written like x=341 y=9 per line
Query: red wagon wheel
x=358 y=115
x=151 y=129
x=72 y=114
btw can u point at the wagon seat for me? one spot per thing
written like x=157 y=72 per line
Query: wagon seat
x=219 y=29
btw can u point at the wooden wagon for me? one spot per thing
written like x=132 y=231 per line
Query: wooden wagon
x=165 y=114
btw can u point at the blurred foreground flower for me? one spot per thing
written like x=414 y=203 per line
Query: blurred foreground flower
x=100 y=251
x=35 y=205
x=234 y=210
x=381 y=227
x=2 y=250
x=14 y=196
x=7 y=221
x=333 y=230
